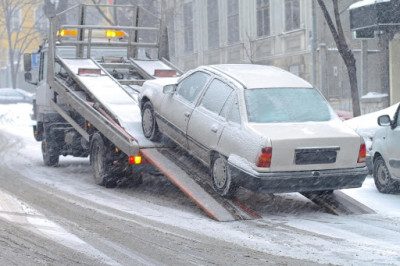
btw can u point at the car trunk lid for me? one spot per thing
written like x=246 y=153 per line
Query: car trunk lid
x=311 y=145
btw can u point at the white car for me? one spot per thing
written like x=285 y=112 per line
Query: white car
x=385 y=154
x=255 y=126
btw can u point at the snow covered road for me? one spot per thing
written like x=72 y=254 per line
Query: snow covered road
x=59 y=216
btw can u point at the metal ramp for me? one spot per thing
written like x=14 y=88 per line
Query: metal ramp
x=218 y=208
x=337 y=203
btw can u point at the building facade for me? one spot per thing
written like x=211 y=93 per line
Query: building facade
x=272 y=32
x=22 y=24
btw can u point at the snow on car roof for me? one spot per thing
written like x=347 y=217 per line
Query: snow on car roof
x=261 y=76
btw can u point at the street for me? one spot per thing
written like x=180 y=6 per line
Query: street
x=58 y=216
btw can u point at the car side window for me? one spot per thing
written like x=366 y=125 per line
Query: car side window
x=190 y=87
x=216 y=96
x=234 y=115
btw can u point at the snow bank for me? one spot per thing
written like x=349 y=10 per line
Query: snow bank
x=16 y=114
x=367 y=125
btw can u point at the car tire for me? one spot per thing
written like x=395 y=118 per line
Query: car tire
x=221 y=177
x=101 y=165
x=383 y=180
x=50 y=152
x=149 y=123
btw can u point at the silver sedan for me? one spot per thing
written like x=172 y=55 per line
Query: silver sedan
x=255 y=126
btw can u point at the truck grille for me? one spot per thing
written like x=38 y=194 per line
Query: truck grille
x=316 y=155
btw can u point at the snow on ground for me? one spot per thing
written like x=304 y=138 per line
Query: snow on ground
x=291 y=225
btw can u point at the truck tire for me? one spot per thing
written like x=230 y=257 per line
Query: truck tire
x=221 y=177
x=383 y=180
x=149 y=123
x=50 y=152
x=100 y=162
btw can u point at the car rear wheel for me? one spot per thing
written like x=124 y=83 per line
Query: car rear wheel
x=383 y=180
x=149 y=123
x=221 y=177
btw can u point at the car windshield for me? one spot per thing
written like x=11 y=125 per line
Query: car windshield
x=281 y=105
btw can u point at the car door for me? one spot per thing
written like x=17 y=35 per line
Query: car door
x=177 y=108
x=232 y=140
x=208 y=120
x=393 y=142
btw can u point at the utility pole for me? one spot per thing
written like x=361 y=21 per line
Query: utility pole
x=313 y=42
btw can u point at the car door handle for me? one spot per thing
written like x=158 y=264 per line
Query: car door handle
x=187 y=114
x=214 y=128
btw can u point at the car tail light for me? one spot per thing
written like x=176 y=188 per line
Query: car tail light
x=362 y=154
x=265 y=158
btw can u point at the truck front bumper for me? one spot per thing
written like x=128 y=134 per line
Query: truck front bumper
x=300 y=181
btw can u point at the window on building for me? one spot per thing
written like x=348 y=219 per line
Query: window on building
x=213 y=23
x=292 y=14
x=263 y=25
x=15 y=20
x=171 y=37
x=188 y=26
x=233 y=21
x=41 y=21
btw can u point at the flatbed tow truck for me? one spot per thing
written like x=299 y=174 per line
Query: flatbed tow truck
x=88 y=81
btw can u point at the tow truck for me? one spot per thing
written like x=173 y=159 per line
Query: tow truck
x=88 y=82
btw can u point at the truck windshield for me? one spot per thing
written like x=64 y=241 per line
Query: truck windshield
x=283 y=105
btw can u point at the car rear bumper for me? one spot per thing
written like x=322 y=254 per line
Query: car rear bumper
x=301 y=181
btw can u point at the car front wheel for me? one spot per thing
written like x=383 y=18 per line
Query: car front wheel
x=383 y=180
x=221 y=177
x=149 y=124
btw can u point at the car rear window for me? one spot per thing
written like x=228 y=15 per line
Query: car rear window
x=282 y=105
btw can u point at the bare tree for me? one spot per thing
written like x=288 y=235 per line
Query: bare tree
x=344 y=50
x=18 y=31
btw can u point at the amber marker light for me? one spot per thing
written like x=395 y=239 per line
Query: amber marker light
x=67 y=33
x=114 y=34
x=135 y=159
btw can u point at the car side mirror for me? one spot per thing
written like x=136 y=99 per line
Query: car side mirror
x=384 y=120
x=169 y=89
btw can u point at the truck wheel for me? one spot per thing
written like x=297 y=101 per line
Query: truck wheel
x=221 y=178
x=383 y=180
x=149 y=123
x=50 y=152
x=101 y=165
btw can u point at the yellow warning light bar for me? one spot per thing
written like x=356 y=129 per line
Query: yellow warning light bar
x=114 y=34
x=67 y=33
